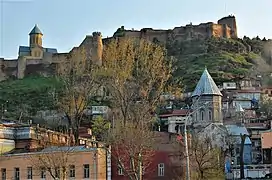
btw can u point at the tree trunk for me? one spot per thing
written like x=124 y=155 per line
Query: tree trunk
x=76 y=135
x=243 y=138
x=201 y=174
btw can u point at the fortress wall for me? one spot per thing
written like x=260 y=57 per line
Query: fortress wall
x=227 y=31
x=33 y=61
x=231 y=22
x=60 y=57
x=133 y=34
x=217 y=30
x=160 y=35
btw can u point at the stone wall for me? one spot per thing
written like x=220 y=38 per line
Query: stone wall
x=28 y=65
x=226 y=27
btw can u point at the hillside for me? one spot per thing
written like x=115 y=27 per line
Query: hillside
x=226 y=59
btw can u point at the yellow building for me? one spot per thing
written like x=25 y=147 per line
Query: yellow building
x=77 y=162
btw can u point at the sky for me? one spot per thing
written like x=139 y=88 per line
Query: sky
x=65 y=23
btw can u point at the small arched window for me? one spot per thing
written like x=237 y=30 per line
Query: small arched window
x=210 y=115
x=202 y=115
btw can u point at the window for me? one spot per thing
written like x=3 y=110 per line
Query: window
x=86 y=171
x=210 y=115
x=29 y=172
x=120 y=171
x=57 y=172
x=17 y=173
x=4 y=173
x=161 y=169
x=72 y=171
x=202 y=115
x=43 y=173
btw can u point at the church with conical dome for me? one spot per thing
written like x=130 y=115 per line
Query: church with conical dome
x=35 y=48
x=35 y=59
x=207 y=101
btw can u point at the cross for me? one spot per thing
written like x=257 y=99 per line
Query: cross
x=2 y=19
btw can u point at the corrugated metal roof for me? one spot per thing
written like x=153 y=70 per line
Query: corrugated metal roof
x=206 y=86
x=24 y=49
x=35 y=30
x=67 y=149
x=50 y=50
x=235 y=130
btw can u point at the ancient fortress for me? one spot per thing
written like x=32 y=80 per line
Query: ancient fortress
x=225 y=27
x=38 y=60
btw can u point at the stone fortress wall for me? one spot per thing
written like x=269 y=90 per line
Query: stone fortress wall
x=37 y=60
x=225 y=27
x=45 y=62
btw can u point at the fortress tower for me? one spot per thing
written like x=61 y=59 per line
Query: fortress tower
x=94 y=47
x=229 y=21
x=97 y=47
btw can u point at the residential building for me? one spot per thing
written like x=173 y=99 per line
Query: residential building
x=23 y=140
x=164 y=163
x=175 y=119
x=255 y=128
x=267 y=147
x=235 y=132
x=77 y=162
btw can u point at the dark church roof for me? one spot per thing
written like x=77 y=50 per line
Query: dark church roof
x=35 y=30
x=206 y=86
x=26 y=50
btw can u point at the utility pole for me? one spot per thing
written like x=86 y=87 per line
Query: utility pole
x=243 y=138
x=187 y=151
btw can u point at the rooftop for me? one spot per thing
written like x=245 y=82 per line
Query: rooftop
x=35 y=30
x=206 y=86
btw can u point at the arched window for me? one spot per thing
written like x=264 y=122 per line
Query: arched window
x=202 y=115
x=210 y=115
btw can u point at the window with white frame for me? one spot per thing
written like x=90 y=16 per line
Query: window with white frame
x=72 y=171
x=4 y=173
x=17 y=173
x=161 y=169
x=120 y=171
x=86 y=171
x=43 y=173
x=29 y=172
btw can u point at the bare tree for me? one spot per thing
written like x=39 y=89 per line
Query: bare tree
x=136 y=73
x=77 y=74
x=53 y=160
x=205 y=158
x=132 y=148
